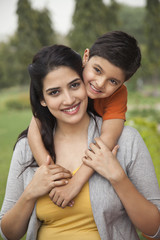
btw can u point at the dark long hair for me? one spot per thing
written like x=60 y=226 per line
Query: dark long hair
x=46 y=60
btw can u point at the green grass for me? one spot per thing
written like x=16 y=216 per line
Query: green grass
x=12 y=122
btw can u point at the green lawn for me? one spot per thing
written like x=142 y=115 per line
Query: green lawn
x=12 y=122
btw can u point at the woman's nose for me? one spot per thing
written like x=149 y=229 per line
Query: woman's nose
x=69 y=98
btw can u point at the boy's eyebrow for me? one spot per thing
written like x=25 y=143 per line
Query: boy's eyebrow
x=97 y=65
x=57 y=88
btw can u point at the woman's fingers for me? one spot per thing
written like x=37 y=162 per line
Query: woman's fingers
x=61 y=182
x=59 y=176
x=115 y=150
x=57 y=169
x=88 y=162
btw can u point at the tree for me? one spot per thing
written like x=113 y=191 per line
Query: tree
x=34 y=31
x=153 y=36
x=132 y=21
x=90 y=20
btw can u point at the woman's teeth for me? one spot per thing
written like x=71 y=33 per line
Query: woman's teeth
x=71 y=109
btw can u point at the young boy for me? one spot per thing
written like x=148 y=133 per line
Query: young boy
x=111 y=61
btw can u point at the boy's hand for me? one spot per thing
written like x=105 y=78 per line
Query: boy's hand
x=103 y=160
x=63 y=196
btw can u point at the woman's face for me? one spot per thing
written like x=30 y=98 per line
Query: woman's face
x=65 y=95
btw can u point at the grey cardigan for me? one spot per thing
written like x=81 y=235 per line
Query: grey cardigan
x=110 y=216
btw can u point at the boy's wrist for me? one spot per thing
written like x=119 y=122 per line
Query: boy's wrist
x=78 y=181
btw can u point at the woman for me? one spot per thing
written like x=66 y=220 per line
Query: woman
x=103 y=209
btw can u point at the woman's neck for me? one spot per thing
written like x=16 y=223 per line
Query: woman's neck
x=70 y=130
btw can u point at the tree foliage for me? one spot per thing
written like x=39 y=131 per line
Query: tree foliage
x=153 y=36
x=90 y=20
x=132 y=21
x=34 y=31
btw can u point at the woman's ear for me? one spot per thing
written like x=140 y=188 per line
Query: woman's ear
x=43 y=103
x=85 y=56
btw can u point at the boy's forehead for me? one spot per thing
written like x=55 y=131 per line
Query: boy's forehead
x=100 y=60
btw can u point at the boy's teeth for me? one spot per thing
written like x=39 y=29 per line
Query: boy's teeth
x=94 y=88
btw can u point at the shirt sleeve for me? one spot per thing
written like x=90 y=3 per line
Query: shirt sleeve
x=113 y=107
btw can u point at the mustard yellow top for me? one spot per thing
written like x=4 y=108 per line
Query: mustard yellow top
x=71 y=223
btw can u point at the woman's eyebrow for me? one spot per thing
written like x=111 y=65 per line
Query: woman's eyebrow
x=57 y=88
x=75 y=80
x=52 y=89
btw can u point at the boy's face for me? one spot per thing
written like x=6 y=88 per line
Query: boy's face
x=101 y=77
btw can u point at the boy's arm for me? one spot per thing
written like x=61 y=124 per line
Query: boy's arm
x=63 y=196
x=111 y=131
x=35 y=142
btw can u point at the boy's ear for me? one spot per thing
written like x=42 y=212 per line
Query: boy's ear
x=85 y=56
x=43 y=103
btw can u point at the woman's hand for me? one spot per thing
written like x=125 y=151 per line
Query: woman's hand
x=103 y=160
x=47 y=177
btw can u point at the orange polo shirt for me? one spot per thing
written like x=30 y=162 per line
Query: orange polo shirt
x=113 y=107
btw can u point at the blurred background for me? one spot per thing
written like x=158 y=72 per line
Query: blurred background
x=28 y=25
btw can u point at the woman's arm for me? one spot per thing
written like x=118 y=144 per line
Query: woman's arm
x=19 y=203
x=143 y=213
x=35 y=142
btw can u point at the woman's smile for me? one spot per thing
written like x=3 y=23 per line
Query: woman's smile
x=71 y=110
x=65 y=95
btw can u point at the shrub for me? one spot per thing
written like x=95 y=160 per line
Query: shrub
x=149 y=132
x=18 y=102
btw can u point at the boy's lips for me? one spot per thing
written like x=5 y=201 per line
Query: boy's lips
x=94 y=89
x=72 y=110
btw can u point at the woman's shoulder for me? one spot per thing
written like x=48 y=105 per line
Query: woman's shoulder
x=130 y=131
x=130 y=136
x=23 y=150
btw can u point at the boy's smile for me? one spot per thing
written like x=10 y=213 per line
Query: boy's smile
x=101 y=77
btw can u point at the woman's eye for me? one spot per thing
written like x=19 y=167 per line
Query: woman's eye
x=97 y=70
x=54 y=92
x=75 y=85
x=113 y=81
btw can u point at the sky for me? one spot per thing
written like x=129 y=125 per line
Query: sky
x=61 y=14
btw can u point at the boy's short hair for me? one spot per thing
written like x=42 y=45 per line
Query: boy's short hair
x=120 y=49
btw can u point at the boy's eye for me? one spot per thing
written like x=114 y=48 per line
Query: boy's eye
x=114 y=82
x=97 y=70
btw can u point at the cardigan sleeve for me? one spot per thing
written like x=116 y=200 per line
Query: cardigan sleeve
x=17 y=180
x=15 y=185
x=142 y=173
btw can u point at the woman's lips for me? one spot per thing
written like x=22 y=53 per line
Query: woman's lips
x=72 y=110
